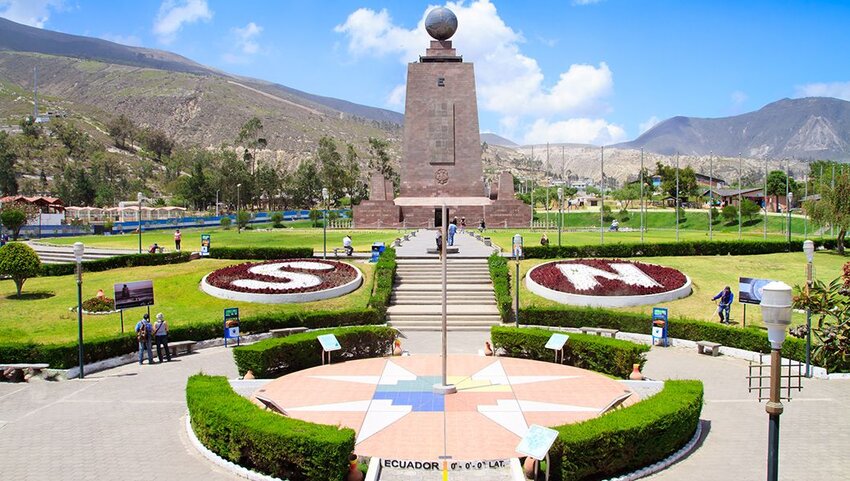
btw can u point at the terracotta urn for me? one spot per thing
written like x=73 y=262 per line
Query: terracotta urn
x=354 y=474
x=636 y=375
x=488 y=349
x=397 y=348
x=248 y=375
x=529 y=467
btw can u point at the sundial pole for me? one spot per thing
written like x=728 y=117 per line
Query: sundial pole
x=444 y=387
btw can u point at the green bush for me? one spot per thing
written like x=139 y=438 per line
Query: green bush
x=601 y=354
x=117 y=262
x=261 y=253
x=225 y=222
x=99 y=304
x=384 y=276
x=501 y=278
x=629 y=438
x=241 y=432
x=691 y=248
x=273 y=357
x=20 y=262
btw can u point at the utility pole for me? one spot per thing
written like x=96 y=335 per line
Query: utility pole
x=710 y=193
x=677 y=197
x=602 y=199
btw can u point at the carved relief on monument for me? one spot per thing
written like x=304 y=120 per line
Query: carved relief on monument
x=441 y=176
x=441 y=132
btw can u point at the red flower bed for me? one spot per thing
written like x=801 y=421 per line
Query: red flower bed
x=549 y=275
x=341 y=274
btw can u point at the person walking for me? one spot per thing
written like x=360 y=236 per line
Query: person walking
x=143 y=335
x=462 y=224
x=439 y=243
x=160 y=333
x=451 y=232
x=726 y=297
x=481 y=226
x=177 y=237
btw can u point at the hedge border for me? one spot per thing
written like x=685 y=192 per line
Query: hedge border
x=238 y=430
x=385 y=271
x=629 y=438
x=501 y=277
x=274 y=357
x=601 y=354
x=116 y=262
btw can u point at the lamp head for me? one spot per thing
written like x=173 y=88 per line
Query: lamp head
x=809 y=249
x=776 y=311
x=140 y=197
x=325 y=194
x=238 y=185
x=79 y=248
x=560 y=193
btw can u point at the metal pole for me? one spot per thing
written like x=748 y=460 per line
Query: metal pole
x=238 y=207
x=677 y=197
x=325 y=232
x=774 y=409
x=806 y=212
x=547 y=206
x=216 y=203
x=765 y=199
x=808 y=322
x=710 y=193
x=444 y=387
x=602 y=200
x=532 y=204
x=832 y=186
x=80 y=315
x=787 y=195
x=560 y=217
x=121 y=313
x=516 y=294
x=140 y=224
x=740 y=188
x=641 y=195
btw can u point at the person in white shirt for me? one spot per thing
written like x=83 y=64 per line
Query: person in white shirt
x=160 y=334
x=346 y=244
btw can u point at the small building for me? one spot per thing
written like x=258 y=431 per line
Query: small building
x=710 y=182
x=51 y=210
x=754 y=194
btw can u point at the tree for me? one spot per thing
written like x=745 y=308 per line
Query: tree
x=277 y=220
x=687 y=180
x=250 y=137
x=749 y=209
x=833 y=208
x=627 y=194
x=8 y=158
x=20 y=262
x=729 y=213
x=121 y=129
x=306 y=187
x=76 y=142
x=13 y=217
x=776 y=185
x=157 y=142
x=379 y=161
x=243 y=217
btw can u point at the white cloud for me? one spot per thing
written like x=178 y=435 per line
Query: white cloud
x=839 y=90
x=396 y=97
x=508 y=82
x=648 y=124
x=581 y=131
x=34 y=13
x=246 y=38
x=173 y=14
x=131 y=40
x=578 y=3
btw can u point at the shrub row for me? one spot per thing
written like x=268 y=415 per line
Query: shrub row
x=747 y=338
x=501 y=277
x=691 y=248
x=239 y=431
x=629 y=438
x=131 y=260
x=261 y=253
x=277 y=356
x=596 y=353
x=384 y=276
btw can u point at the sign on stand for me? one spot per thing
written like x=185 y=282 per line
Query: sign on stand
x=537 y=441
x=231 y=324
x=205 y=245
x=659 y=326
x=329 y=344
x=556 y=342
x=749 y=292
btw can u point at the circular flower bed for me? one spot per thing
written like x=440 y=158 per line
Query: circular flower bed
x=283 y=281
x=607 y=282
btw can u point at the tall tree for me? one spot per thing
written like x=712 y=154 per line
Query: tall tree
x=833 y=208
x=8 y=158
x=380 y=162
x=776 y=185
x=77 y=143
x=157 y=142
x=251 y=138
x=306 y=187
x=687 y=180
x=121 y=129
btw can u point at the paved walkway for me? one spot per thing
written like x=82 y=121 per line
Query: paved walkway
x=127 y=423
x=468 y=246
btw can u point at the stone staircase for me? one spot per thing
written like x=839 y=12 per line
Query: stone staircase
x=416 y=302
x=55 y=254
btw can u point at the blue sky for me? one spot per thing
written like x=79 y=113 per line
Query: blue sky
x=560 y=71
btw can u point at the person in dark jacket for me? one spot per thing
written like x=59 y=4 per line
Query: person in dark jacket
x=726 y=297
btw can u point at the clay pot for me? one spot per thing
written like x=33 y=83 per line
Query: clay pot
x=636 y=375
x=529 y=468
x=354 y=474
x=249 y=375
x=488 y=349
x=397 y=349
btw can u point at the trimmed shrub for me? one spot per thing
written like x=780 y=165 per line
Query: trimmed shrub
x=692 y=248
x=501 y=277
x=117 y=262
x=629 y=438
x=384 y=276
x=241 y=432
x=601 y=354
x=277 y=356
x=20 y=262
x=261 y=253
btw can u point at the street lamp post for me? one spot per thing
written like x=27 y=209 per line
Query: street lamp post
x=560 y=212
x=78 y=257
x=216 y=203
x=809 y=249
x=776 y=314
x=790 y=199
x=517 y=251
x=139 y=198
x=325 y=197
x=238 y=207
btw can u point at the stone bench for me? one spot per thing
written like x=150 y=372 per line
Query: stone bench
x=599 y=331
x=21 y=372
x=487 y=241
x=703 y=347
x=286 y=331
x=449 y=250
x=183 y=346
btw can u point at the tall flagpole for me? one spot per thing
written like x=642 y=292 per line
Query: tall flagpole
x=765 y=199
x=641 y=195
x=677 y=197
x=740 y=188
x=710 y=193
x=602 y=199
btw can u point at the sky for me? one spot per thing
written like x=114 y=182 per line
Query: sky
x=586 y=71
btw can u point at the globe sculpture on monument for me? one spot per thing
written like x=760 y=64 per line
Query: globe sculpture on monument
x=442 y=148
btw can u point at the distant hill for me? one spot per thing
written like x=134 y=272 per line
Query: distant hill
x=493 y=139
x=807 y=128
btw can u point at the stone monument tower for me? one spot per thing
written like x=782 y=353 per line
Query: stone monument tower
x=442 y=147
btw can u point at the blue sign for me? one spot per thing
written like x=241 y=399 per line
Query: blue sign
x=659 y=325
x=231 y=324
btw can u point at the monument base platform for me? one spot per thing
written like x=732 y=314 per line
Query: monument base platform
x=410 y=212
x=377 y=214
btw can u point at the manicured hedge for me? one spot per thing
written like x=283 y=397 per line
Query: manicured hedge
x=384 y=276
x=261 y=253
x=131 y=260
x=747 y=338
x=501 y=277
x=596 y=353
x=629 y=438
x=273 y=357
x=240 y=431
x=691 y=248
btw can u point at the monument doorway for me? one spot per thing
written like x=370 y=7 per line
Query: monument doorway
x=438 y=217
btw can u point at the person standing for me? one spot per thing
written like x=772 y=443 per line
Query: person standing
x=451 y=233
x=462 y=224
x=346 y=245
x=481 y=225
x=726 y=297
x=143 y=335
x=177 y=238
x=160 y=334
x=439 y=243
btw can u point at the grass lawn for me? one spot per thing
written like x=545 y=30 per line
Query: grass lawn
x=710 y=274
x=177 y=294
x=288 y=237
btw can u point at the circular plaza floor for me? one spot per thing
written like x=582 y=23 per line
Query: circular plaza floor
x=390 y=404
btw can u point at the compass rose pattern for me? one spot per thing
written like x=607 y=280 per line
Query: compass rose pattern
x=391 y=405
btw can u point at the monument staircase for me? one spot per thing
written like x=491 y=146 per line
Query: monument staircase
x=416 y=302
